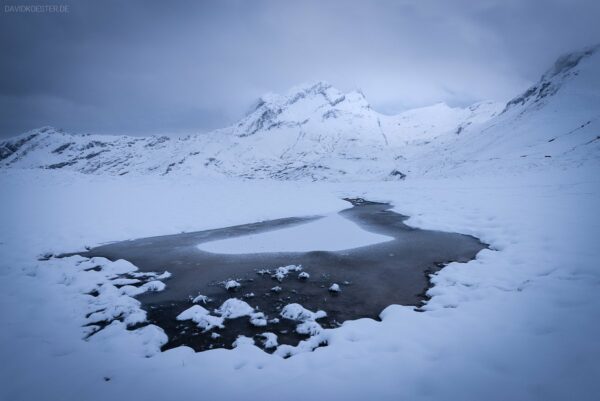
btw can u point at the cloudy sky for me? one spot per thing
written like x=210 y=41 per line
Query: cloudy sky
x=177 y=67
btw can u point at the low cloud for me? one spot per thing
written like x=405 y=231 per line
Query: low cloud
x=141 y=68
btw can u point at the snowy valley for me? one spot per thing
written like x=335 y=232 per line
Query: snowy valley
x=520 y=176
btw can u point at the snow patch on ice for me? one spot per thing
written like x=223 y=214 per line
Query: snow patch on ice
x=202 y=317
x=201 y=298
x=269 y=340
x=323 y=234
x=258 y=319
x=298 y=312
x=282 y=271
x=303 y=276
x=231 y=284
x=234 y=308
x=335 y=288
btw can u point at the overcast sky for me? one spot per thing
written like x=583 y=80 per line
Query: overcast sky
x=159 y=67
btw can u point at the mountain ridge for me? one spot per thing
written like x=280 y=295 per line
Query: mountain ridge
x=316 y=132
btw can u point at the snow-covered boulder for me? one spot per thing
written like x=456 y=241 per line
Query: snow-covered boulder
x=231 y=285
x=335 y=288
x=201 y=317
x=298 y=312
x=234 y=308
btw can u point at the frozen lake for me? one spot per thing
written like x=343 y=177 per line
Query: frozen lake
x=367 y=250
x=329 y=233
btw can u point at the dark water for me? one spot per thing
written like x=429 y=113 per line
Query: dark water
x=371 y=277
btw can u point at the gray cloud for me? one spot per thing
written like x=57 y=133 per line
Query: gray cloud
x=157 y=67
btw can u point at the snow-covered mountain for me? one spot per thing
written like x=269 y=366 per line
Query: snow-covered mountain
x=318 y=132
x=314 y=131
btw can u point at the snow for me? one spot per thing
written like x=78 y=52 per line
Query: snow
x=309 y=327
x=231 y=285
x=192 y=312
x=270 y=340
x=282 y=271
x=303 y=276
x=230 y=309
x=234 y=308
x=243 y=341
x=154 y=285
x=202 y=317
x=335 y=288
x=298 y=312
x=258 y=319
x=512 y=320
x=165 y=275
x=125 y=281
x=319 y=235
x=201 y=298
x=518 y=322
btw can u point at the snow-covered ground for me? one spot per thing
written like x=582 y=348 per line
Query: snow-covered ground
x=519 y=322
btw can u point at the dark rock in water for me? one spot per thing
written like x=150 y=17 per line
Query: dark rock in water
x=398 y=174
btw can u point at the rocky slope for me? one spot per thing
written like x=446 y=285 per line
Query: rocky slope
x=554 y=122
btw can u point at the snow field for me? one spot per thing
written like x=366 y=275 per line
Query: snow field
x=516 y=318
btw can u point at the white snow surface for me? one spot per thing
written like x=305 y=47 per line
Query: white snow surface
x=231 y=284
x=335 y=287
x=282 y=271
x=330 y=233
x=258 y=319
x=270 y=340
x=201 y=298
x=243 y=341
x=517 y=323
x=300 y=313
x=304 y=275
x=234 y=308
x=202 y=317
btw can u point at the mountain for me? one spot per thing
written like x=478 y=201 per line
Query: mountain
x=315 y=132
x=318 y=132
x=555 y=122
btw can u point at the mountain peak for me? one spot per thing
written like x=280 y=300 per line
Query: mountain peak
x=568 y=61
x=45 y=130
x=299 y=105
x=312 y=88
x=564 y=68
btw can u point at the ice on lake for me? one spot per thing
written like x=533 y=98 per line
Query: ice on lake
x=329 y=233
